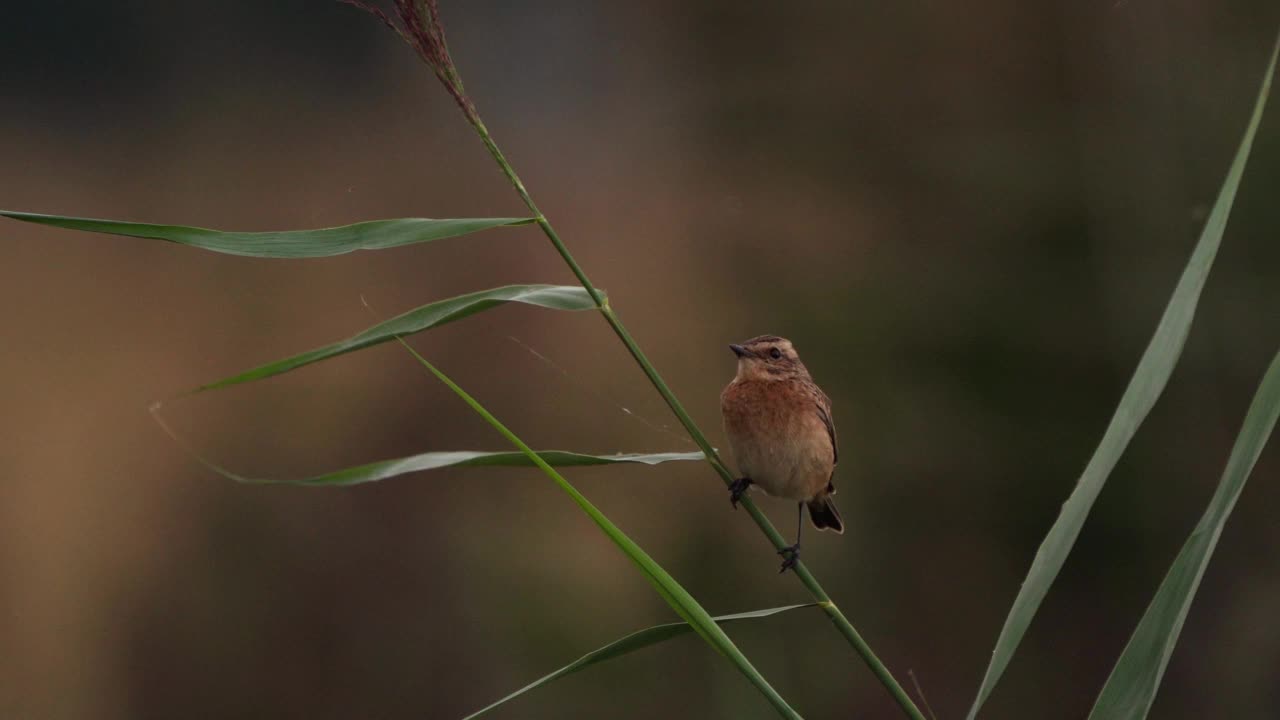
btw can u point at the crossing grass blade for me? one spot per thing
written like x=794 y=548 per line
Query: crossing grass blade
x=684 y=604
x=1134 y=681
x=555 y=297
x=631 y=643
x=325 y=242
x=1144 y=389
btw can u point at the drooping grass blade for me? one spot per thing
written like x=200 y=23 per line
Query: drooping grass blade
x=441 y=312
x=371 y=235
x=383 y=469
x=1144 y=389
x=635 y=641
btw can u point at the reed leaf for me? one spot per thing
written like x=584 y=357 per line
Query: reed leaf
x=383 y=469
x=370 y=235
x=631 y=643
x=441 y=312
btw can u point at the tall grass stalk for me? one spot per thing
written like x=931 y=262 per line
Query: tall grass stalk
x=425 y=33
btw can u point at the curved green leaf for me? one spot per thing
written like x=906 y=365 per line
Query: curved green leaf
x=1136 y=677
x=1140 y=396
x=635 y=641
x=556 y=297
x=371 y=235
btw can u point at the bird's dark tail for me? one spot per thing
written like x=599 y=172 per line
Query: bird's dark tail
x=824 y=515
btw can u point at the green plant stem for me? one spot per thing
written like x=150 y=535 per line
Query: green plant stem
x=671 y=590
x=810 y=582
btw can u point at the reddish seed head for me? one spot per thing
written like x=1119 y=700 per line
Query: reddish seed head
x=420 y=26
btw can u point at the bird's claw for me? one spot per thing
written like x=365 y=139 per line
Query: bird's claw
x=736 y=490
x=790 y=556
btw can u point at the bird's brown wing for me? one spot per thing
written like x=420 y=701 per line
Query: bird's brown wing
x=824 y=412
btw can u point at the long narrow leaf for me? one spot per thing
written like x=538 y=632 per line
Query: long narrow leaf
x=1144 y=389
x=635 y=641
x=384 y=469
x=1136 y=677
x=556 y=297
x=435 y=460
x=371 y=235
x=666 y=586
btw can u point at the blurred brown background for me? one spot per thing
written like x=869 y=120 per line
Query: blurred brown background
x=967 y=216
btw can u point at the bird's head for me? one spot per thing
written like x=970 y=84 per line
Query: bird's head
x=768 y=357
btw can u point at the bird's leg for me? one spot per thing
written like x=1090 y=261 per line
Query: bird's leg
x=736 y=490
x=792 y=553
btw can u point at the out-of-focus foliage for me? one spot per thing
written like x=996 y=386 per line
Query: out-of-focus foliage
x=1145 y=387
x=1134 y=681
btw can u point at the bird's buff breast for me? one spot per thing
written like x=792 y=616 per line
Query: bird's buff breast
x=777 y=437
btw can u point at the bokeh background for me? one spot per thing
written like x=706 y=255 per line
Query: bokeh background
x=968 y=217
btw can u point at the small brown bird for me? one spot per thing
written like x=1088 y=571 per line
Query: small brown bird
x=780 y=429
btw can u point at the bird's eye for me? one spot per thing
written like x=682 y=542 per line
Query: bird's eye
x=775 y=353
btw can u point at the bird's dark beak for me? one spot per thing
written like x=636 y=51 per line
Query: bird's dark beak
x=739 y=350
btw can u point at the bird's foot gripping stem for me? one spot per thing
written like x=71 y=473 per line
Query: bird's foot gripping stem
x=736 y=490
x=790 y=555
